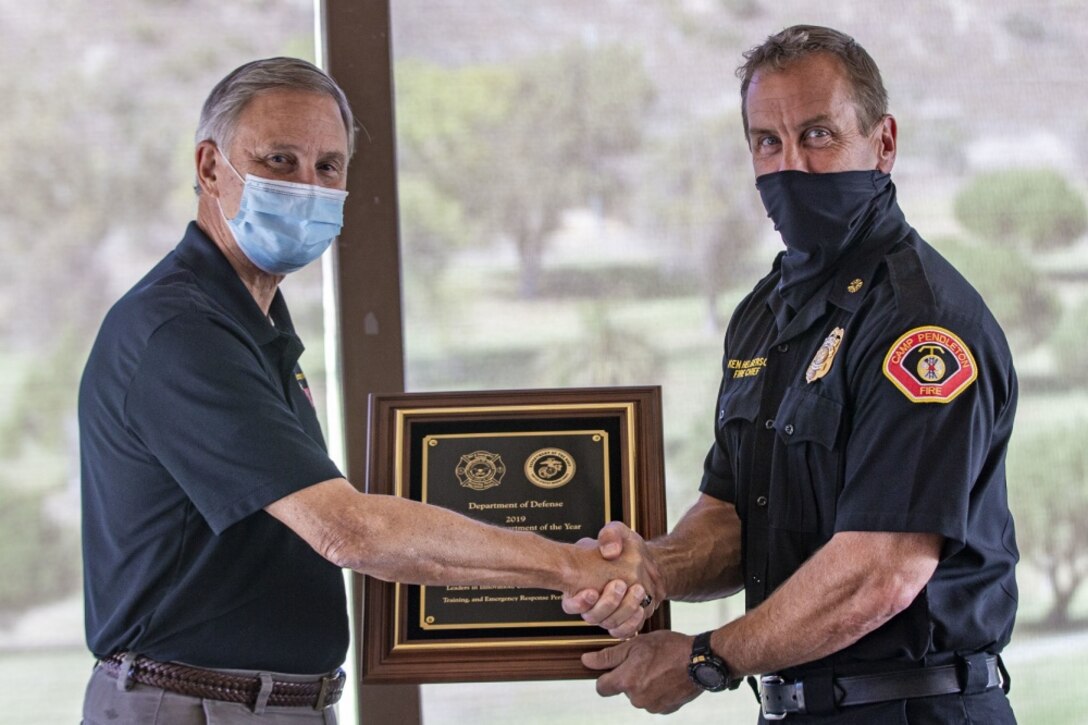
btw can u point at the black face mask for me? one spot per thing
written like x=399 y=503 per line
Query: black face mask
x=820 y=216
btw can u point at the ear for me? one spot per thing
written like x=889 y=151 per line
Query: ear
x=886 y=134
x=207 y=168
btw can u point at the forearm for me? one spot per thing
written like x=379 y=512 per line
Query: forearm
x=396 y=539
x=701 y=558
x=832 y=601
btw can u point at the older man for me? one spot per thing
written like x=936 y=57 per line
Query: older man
x=215 y=526
x=856 y=486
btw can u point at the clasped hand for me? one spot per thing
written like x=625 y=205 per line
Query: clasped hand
x=621 y=606
x=650 y=670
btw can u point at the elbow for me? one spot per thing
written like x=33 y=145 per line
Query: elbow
x=343 y=542
x=337 y=548
x=896 y=591
x=900 y=596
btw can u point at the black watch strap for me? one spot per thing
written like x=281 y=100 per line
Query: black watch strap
x=701 y=646
x=704 y=662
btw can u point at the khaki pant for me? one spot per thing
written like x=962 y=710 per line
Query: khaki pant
x=108 y=703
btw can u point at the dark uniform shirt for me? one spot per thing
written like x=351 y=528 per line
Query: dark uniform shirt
x=884 y=402
x=194 y=416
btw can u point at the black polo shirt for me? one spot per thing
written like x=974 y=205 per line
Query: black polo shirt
x=884 y=403
x=194 y=416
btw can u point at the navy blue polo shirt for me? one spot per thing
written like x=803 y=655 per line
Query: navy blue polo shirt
x=884 y=403
x=194 y=416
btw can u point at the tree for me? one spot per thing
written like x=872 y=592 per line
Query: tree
x=432 y=227
x=517 y=146
x=701 y=200
x=606 y=355
x=1033 y=208
x=97 y=136
x=1015 y=291
x=1068 y=345
x=1046 y=472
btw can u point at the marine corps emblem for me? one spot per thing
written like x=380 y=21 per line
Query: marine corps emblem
x=550 y=468
x=824 y=356
x=930 y=365
x=480 y=470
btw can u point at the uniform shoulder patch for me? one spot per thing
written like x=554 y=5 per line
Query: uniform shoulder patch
x=930 y=365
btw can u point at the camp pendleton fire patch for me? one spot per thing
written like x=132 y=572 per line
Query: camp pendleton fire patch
x=930 y=365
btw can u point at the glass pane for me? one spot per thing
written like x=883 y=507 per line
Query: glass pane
x=101 y=101
x=578 y=208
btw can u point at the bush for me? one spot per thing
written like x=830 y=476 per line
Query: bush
x=1036 y=207
x=1046 y=473
x=1070 y=346
x=39 y=558
x=1015 y=292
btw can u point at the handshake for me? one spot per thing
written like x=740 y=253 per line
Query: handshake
x=618 y=586
x=650 y=670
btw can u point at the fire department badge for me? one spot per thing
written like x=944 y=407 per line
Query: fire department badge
x=824 y=356
x=480 y=470
x=550 y=468
x=930 y=365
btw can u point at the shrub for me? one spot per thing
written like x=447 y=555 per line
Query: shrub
x=1070 y=346
x=39 y=558
x=1046 y=470
x=1035 y=207
x=1015 y=292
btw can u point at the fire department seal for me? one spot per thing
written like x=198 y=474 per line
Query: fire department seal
x=550 y=468
x=480 y=470
x=930 y=365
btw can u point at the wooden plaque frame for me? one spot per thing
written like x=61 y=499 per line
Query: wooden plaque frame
x=391 y=650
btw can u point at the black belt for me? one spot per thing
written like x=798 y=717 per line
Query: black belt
x=779 y=698
x=318 y=693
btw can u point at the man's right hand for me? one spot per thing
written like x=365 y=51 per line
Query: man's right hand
x=619 y=608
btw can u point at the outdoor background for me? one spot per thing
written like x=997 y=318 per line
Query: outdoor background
x=577 y=208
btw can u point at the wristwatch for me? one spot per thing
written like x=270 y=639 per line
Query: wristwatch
x=707 y=670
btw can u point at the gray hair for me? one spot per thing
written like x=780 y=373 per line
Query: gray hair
x=800 y=41
x=219 y=117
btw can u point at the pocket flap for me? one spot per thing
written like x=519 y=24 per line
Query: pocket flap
x=805 y=417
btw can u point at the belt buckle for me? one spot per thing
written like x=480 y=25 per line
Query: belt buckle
x=788 y=697
x=327 y=683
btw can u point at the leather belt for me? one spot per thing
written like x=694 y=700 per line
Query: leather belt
x=780 y=698
x=225 y=687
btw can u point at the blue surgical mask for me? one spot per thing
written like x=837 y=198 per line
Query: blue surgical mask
x=282 y=226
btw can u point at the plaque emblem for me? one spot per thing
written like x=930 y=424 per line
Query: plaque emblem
x=821 y=363
x=480 y=470
x=550 y=468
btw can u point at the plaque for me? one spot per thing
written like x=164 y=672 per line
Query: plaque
x=558 y=463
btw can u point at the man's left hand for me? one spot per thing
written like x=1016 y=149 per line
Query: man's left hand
x=651 y=669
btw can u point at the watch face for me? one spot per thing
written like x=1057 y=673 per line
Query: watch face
x=708 y=676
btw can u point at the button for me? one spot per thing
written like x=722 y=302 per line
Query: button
x=769 y=423
x=761 y=501
x=721 y=414
x=783 y=347
x=788 y=429
x=755 y=579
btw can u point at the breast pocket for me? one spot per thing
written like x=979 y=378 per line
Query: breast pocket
x=738 y=406
x=806 y=472
x=738 y=402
